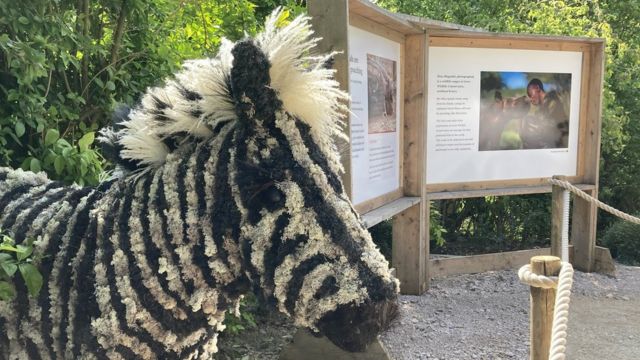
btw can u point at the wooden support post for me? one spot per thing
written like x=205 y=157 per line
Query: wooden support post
x=542 y=306
x=557 y=207
x=330 y=21
x=410 y=247
x=583 y=227
x=583 y=232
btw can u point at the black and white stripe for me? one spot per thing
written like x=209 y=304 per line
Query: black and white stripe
x=230 y=183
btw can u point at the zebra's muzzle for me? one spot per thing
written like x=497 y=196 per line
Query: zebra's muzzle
x=353 y=328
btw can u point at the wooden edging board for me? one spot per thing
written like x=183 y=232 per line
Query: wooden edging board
x=455 y=265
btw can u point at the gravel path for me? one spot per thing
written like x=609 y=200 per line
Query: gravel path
x=485 y=316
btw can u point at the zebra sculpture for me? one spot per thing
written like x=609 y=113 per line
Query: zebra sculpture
x=229 y=183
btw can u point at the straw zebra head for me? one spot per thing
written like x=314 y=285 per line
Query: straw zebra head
x=271 y=112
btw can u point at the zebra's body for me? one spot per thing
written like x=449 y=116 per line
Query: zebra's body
x=234 y=191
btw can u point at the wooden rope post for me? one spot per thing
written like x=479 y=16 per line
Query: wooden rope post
x=542 y=306
x=557 y=206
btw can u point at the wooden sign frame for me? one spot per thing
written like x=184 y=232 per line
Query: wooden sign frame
x=583 y=230
x=409 y=204
x=590 y=109
x=331 y=20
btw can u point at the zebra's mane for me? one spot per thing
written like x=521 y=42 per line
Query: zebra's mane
x=197 y=101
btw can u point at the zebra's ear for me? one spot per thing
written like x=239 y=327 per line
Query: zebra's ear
x=250 y=82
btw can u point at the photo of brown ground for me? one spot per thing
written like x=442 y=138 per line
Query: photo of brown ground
x=382 y=92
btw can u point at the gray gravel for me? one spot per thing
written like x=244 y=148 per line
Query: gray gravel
x=485 y=316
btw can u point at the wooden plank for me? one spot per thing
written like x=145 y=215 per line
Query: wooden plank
x=415 y=112
x=584 y=101
x=401 y=126
x=583 y=234
x=366 y=206
x=410 y=247
x=481 y=263
x=329 y=19
x=516 y=43
x=603 y=262
x=384 y=17
x=557 y=207
x=522 y=190
x=375 y=28
x=434 y=25
x=501 y=36
x=495 y=184
x=388 y=211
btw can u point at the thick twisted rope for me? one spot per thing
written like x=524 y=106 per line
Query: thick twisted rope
x=561 y=313
x=563 y=285
x=567 y=185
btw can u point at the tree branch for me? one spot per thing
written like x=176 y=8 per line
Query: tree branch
x=119 y=33
x=85 y=33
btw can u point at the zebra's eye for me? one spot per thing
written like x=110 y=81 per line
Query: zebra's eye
x=268 y=194
x=273 y=194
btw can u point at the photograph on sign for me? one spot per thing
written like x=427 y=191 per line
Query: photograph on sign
x=520 y=110
x=374 y=83
x=502 y=114
x=382 y=87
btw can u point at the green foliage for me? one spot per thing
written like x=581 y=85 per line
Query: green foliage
x=382 y=235
x=64 y=66
x=493 y=224
x=623 y=239
x=245 y=320
x=17 y=258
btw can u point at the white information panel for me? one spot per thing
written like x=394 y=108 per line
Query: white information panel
x=502 y=114
x=374 y=86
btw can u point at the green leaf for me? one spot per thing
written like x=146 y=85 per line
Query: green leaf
x=35 y=165
x=6 y=291
x=7 y=247
x=19 y=128
x=23 y=20
x=51 y=137
x=83 y=167
x=32 y=278
x=24 y=252
x=86 y=140
x=63 y=143
x=58 y=164
x=110 y=85
x=9 y=267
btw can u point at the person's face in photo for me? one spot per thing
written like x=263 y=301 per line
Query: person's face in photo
x=535 y=94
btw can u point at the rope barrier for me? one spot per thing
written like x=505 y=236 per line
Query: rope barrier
x=563 y=285
x=561 y=313
x=567 y=185
x=564 y=280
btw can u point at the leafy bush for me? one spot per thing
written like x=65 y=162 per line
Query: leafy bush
x=17 y=258
x=245 y=319
x=64 y=65
x=382 y=234
x=623 y=239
